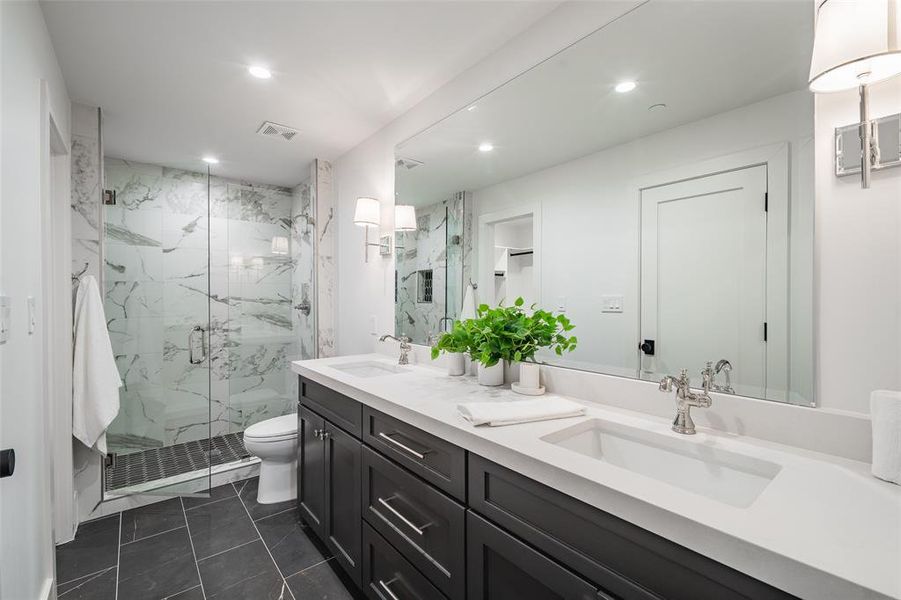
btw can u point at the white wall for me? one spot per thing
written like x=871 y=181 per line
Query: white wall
x=25 y=516
x=590 y=222
x=858 y=251
x=366 y=290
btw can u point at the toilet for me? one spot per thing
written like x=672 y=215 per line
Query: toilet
x=274 y=442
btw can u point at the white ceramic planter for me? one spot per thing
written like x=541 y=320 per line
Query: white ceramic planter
x=491 y=375
x=456 y=363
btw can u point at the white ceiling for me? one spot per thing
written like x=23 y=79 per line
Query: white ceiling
x=172 y=81
x=699 y=58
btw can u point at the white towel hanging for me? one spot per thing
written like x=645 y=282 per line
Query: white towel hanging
x=95 y=377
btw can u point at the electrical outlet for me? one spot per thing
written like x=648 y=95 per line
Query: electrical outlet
x=373 y=325
x=32 y=315
x=5 y=319
x=612 y=304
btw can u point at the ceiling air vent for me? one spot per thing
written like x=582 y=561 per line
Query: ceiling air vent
x=409 y=163
x=270 y=129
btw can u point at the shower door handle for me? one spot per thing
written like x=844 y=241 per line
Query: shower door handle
x=192 y=346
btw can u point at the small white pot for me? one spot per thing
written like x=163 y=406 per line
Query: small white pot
x=456 y=363
x=491 y=375
x=528 y=376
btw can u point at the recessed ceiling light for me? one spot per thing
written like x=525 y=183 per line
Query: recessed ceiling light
x=259 y=72
x=471 y=108
x=656 y=107
x=486 y=147
x=211 y=160
x=625 y=86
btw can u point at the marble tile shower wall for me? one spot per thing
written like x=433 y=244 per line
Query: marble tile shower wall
x=162 y=254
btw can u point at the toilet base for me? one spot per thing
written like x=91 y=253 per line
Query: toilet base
x=278 y=482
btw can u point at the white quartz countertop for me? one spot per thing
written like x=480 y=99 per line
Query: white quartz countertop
x=823 y=528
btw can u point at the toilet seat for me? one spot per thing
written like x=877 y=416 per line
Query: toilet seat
x=273 y=430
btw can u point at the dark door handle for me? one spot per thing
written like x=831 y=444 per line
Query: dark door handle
x=647 y=347
x=7 y=462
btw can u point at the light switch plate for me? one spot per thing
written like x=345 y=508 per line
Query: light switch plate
x=612 y=304
x=561 y=303
x=5 y=320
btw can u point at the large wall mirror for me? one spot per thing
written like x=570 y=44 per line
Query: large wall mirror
x=654 y=181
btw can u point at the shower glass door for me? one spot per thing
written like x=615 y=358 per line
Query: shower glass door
x=157 y=290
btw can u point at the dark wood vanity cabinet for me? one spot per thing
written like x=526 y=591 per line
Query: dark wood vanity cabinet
x=328 y=495
x=411 y=516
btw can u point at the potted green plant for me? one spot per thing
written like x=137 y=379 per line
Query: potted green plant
x=509 y=333
x=455 y=344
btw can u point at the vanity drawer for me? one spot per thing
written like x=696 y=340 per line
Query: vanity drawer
x=628 y=561
x=439 y=462
x=424 y=525
x=344 y=412
x=388 y=576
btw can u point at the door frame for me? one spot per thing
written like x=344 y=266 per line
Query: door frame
x=485 y=244
x=776 y=158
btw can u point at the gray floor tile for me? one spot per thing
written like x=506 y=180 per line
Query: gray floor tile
x=243 y=572
x=248 y=492
x=217 y=493
x=195 y=593
x=95 y=548
x=319 y=583
x=99 y=586
x=219 y=526
x=289 y=542
x=149 y=520
x=157 y=567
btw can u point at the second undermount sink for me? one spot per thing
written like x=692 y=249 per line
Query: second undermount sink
x=369 y=368
x=728 y=477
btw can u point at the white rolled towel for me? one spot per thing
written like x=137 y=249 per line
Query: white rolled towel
x=885 y=414
x=496 y=414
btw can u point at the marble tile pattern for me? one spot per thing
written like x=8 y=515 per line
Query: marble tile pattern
x=182 y=251
x=422 y=250
x=326 y=281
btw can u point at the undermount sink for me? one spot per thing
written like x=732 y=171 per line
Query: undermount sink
x=369 y=368
x=728 y=477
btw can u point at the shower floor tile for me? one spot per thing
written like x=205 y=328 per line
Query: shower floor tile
x=200 y=549
x=138 y=468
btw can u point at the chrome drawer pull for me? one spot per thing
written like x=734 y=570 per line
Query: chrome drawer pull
x=406 y=521
x=388 y=591
x=403 y=447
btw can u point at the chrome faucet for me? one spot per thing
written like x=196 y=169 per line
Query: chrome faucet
x=710 y=372
x=685 y=400
x=405 y=347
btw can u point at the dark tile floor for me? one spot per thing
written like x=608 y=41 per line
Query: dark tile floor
x=225 y=547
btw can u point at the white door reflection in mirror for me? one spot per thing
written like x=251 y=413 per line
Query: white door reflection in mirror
x=704 y=275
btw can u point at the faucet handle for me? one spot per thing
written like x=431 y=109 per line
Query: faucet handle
x=666 y=384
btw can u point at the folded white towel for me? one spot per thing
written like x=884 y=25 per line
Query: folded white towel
x=95 y=377
x=496 y=414
x=885 y=413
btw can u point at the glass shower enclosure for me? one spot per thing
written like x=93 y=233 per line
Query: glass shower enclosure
x=208 y=296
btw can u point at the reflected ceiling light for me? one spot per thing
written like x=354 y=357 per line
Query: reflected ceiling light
x=486 y=147
x=625 y=86
x=471 y=108
x=404 y=217
x=856 y=44
x=259 y=72
x=211 y=160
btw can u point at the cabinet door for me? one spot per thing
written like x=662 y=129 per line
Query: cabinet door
x=311 y=464
x=343 y=519
x=501 y=568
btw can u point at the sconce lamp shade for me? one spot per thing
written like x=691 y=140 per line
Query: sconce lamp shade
x=367 y=212
x=404 y=218
x=857 y=42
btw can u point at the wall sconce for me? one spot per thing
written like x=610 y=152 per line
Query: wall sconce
x=280 y=245
x=404 y=218
x=367 y=213
x=857 y=43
